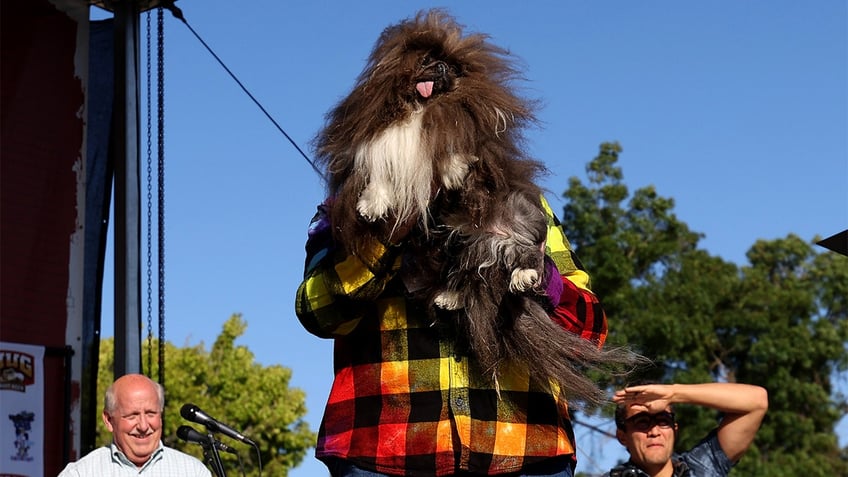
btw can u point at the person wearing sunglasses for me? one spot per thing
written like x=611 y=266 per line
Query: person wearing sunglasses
x=647 y=428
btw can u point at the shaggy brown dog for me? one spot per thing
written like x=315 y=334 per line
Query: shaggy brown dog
x=431 y=139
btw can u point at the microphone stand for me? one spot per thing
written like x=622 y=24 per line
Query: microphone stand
x=211 y=456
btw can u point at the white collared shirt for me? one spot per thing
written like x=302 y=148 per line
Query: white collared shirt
x=111 y=462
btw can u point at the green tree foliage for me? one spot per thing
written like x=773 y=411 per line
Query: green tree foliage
x=780 y=321
x=226 y=383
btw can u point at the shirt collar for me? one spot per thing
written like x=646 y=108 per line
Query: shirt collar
x=120 y=458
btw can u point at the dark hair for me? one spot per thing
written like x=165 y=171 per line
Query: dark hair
x=620 y=416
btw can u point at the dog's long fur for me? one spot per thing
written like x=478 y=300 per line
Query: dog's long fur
x=431 y=138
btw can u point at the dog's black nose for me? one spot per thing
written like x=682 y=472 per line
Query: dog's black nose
x=442 y=68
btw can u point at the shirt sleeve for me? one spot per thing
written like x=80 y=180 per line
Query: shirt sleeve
x=69 y=471
x=337 y=288
x=707 y=457
x=578 y=309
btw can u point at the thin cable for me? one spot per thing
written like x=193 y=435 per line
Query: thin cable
x=593 y=456
x=179 y=15
x=593 y=428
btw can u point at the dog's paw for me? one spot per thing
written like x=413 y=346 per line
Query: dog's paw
x=523 y=279
x=373 y=204
x=453 y=176
x=448 y=300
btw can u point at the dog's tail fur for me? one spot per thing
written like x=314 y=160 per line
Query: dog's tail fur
x=505 y=326
x=505 y=330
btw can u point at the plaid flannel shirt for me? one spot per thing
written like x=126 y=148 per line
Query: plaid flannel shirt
x=406 y=399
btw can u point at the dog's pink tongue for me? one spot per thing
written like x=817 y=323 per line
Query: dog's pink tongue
x=425 y=88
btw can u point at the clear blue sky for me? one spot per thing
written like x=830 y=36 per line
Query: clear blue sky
x=738 y=110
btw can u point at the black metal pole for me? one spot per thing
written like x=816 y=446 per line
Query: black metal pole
x=212 y=457
x=126 y=145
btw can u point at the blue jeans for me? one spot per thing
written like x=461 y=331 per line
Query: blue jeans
x=559 y=467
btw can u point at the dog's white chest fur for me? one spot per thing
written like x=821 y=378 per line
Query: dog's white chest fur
x=399 y=167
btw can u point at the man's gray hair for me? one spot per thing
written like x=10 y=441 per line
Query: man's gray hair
x=110 y=401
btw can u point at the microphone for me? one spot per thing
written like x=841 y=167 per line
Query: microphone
x=194 y=414
x=188 y=434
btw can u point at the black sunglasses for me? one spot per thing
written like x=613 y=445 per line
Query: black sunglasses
x=645 y=421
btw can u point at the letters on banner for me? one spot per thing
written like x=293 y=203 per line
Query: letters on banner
x=22 y=406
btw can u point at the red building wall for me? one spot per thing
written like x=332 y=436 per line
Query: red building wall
x=41 y=143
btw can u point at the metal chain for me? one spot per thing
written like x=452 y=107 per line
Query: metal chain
x=161 y=144
x=149 y=215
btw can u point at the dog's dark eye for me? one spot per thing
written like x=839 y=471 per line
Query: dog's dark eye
x=426 y=60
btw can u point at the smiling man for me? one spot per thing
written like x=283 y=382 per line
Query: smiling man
x=647 y=428
x=133 y=414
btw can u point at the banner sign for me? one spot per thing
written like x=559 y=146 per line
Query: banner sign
x=21 y=410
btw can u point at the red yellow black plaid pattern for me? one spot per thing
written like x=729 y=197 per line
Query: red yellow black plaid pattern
x=406 y=399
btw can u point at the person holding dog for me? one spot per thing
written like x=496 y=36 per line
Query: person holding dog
x=463 y=325
x=407 y=397
x=647 y=428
